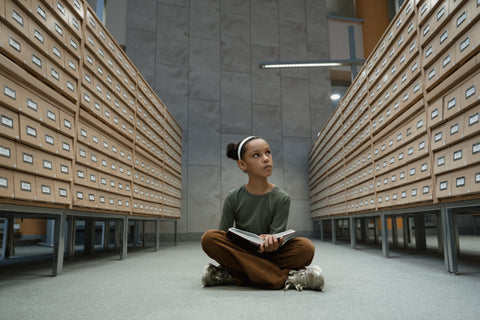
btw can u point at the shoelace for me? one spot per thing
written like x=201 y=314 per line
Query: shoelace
x=297 y=279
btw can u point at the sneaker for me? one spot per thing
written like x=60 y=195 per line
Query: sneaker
x=217 y=276
x=309 y=278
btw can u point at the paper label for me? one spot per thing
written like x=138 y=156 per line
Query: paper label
x=410 y=151
x=476 y=148
x=425 y=189
x=460 y=181
x=91 y=197
x=470 y=91
x=440 y=13
x=461 y=18
x=434 y=113
x=400 y=156
x=438 y=136
x=62 y=192
x=3 y=182
x=59 y=29
x=431 y=74
x=94 y=158
x=9 y=92
x=46 y=189
x=49 y=140
x=404 y=194
x=63 y=169
x=443 y=185
x=70 y=86
x=412 y=171
x=440 y=161
x=25 y=186
x=414 y=192
x=80 y=174
x=454 y=129
x=7 y=121
x=57 y=52
x=473 y=119
x=82 y=153
x=444 y=36
x=465 y=43
x=54 y=74
x=447 y=60
x=27 y=158
x=17 y=17
x=457 y=155
x=65 y=146
x=426 y=30
x=51 y=115
x=424 y=167
x=31 y=131
x=79 y=195
x=428 y=52
x=477 y=177
x=47 y=164
x=41 y=12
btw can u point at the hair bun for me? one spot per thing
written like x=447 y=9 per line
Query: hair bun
x=232 y=151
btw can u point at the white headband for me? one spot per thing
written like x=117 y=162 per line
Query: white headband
x=240 y=146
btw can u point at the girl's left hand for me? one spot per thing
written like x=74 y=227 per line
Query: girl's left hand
x=270 y=243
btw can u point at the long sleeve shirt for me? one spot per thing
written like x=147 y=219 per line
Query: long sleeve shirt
x=261 y=214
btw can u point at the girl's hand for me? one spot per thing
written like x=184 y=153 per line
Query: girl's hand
x=270 y=243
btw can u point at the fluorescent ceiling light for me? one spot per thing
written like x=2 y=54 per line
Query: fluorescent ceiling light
x=335 y=96
x=308 y=64
x=301 y=65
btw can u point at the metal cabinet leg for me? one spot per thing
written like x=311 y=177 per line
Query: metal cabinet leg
x=175 y=235
x=394 y=232
x=420 y=236
x=59 y=244
x=449 y=241
x=321 y=230
x=353 y=232
x=384 y=224
x=124 y=237
x=334 y=231
x=157 y=234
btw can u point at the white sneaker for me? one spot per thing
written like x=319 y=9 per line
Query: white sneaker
x=309 y=278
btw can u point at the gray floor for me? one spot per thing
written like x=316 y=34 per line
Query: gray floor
x=360 y=284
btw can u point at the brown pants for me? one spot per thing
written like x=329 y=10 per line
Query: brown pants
x=266 y=270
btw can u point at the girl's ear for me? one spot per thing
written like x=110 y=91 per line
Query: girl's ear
x=242 y=165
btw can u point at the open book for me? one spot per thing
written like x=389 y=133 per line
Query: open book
x=252 y=240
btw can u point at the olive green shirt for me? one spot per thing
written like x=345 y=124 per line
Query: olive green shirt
x=261 y=214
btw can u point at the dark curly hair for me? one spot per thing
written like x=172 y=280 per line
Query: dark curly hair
x=232 y=149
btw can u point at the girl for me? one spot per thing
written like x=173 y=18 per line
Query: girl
x=262 y=208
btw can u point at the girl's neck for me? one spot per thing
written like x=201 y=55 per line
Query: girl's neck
x=259 y=186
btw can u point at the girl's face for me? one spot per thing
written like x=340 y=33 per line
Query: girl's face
x=257 y=159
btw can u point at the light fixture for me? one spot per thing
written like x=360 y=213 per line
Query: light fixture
x=335 y=96
x=309 y=64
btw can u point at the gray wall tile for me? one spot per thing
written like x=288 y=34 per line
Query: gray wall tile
x=292 y=10
x=240 y=7
x=236 y=105
x=203 y=132
x=235 y=43
x=204 y=198
x=204 y=21
x=142 y=14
